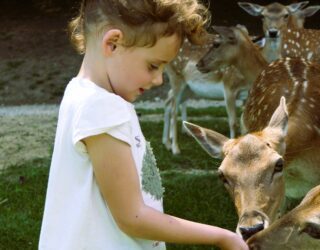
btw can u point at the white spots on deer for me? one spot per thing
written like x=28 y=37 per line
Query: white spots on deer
x=317 y=129
x=311 y=105
x=309 y=127
x=261 y=100
x=310 y=54
x=259 y=112
x=289 y=70
x=297 y=34
x=305 y=86
x=289 y=30
x=285 y=46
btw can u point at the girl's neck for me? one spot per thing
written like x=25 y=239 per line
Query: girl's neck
x=93 y=69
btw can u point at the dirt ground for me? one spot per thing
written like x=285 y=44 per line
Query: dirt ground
x=37 y=61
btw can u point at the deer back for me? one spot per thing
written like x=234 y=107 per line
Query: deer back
x=298 y=81
x=301 y=43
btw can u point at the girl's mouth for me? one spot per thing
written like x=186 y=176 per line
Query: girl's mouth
x=141 y=90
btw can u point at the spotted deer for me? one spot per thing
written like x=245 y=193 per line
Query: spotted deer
x=183 y=76
x=236 y=51
x=279 y=153
x=284 y=34
x=298 y=229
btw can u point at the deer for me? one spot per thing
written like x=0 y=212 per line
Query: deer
x=278 y=154
x=291 y=40
x=235 y=44
x=297 y=19
x=298 y=229
x=183 y=76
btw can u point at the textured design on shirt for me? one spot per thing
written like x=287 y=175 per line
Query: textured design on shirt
x=151 y=180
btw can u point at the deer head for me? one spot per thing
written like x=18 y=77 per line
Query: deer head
x=298 y=229
x=297 y=19
x=234 y=49
x=251 y=169
x=275 y=15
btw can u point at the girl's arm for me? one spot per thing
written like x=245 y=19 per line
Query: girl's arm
x=116 y=175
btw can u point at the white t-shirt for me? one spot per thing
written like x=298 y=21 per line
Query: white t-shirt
x=76 y=216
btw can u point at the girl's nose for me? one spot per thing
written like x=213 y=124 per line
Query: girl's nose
x=158 y=80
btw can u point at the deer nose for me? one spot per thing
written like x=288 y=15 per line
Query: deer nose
x=247 y=232
x=202 y=67
x=200 y=64
x=273 y=33
x=255 y=247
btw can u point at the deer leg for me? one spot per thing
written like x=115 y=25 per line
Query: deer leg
x=173 y=127
x=166 y=124
x=183 y=106
x=243 y=129
x=184 y=117
x=230 y=99
x=175 y=113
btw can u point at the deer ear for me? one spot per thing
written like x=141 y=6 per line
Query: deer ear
x=279 y=119
x=310 y=11
x=277 y=128
x=296 y=6
x=212 y=142
x=226 y=33
x=243 y=28
x=251 y=8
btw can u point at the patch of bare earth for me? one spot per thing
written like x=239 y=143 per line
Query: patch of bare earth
x=36 y=60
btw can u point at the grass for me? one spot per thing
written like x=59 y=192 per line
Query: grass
x=192 y=192
x=214 y=111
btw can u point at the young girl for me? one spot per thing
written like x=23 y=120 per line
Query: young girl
x=104 y=189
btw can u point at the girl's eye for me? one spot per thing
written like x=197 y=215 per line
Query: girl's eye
x=153 y=67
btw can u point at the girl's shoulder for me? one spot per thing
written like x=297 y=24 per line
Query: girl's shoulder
x=86 y=94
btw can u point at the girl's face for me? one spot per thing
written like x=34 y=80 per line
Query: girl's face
x=131 y=71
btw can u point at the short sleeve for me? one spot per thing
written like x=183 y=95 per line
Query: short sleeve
x=105 y=113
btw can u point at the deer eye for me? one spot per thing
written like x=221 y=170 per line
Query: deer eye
x=216 y=45
x=223 y=178
x=286 y=16
x=278 y=166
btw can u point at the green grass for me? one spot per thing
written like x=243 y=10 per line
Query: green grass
x=213 y=111
x=24 y=189
x=190 y=194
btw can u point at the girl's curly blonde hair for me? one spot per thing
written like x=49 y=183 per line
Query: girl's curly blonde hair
x=142 y=22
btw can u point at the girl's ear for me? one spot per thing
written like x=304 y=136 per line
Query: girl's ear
x=110 y=41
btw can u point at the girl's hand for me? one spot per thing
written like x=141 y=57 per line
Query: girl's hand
x=233 y=241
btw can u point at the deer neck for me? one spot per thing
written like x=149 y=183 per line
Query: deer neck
x=272 y=49
x=251 y=63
